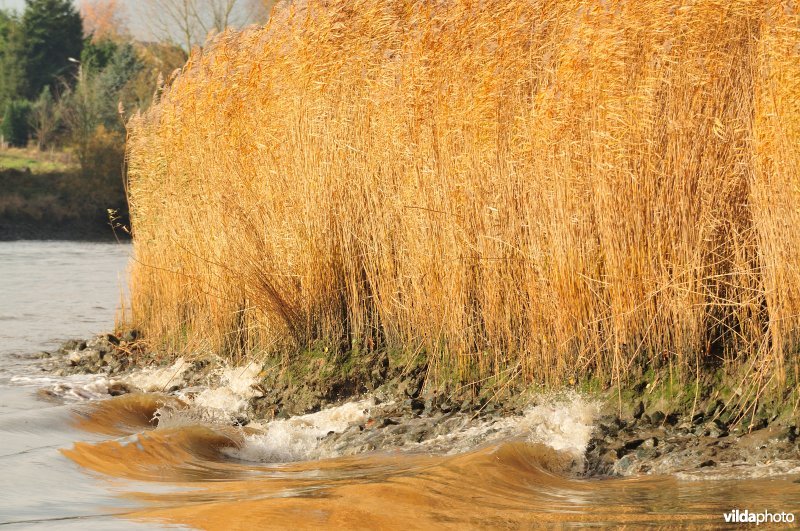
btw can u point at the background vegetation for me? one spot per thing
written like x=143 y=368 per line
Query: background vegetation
x=69 y=75
x=515 y=190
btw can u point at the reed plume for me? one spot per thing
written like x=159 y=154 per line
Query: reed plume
x=538 y=188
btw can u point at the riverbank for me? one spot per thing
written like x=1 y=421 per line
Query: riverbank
x=78 y=457
x=84 y=231
x=594 y=434
x=60 y=204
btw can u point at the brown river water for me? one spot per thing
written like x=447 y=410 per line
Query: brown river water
x=74 y=458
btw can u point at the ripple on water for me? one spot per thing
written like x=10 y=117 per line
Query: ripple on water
x=225 y=477
x=50 y=291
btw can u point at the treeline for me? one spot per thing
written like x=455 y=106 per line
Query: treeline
x=65 y=89
x=59 y=87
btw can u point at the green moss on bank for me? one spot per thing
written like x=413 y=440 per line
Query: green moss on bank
x=727 y=394
x=325 y=372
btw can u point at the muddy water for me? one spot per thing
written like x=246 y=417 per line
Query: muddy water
x=51 y=291
x=228 y=478
x=88 y=461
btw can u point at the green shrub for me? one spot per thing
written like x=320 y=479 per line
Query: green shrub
x=15 y=127
x=101 y=169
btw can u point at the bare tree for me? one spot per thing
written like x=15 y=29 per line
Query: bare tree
x=188 y=22
x=220 y=13
x=104 y=19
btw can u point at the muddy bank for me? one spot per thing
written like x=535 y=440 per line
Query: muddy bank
x=61 y=205
x=601 y=437
x=694 y=447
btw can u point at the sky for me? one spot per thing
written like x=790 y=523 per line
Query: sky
x=135 y=25
x=12 y=4
x=20 y=4
x=136 y=18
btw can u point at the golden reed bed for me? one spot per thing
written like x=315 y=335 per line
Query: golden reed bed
x=537 y=190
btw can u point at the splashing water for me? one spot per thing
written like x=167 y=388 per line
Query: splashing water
x=159 y=380
x=233 y=395
x=297 y=438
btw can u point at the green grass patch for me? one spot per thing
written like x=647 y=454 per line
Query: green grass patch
x=35 y=161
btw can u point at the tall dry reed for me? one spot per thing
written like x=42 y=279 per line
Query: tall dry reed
x=541 y=189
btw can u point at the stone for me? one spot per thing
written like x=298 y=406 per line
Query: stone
x=431 y=403
x=387 y=422
x=118 y=389
x=415 y=404
x=638 y=411
x=130 y=336
x=791 y=434
x=73 y=344
x=610 y=426
x=652 y=442
x=633 y=444
x=643 y=453
x=715 y=429
x=713 y=408
x=657 y=418
x=707 y=463
x=111 y=338
x=625 y=465
x=416 y=435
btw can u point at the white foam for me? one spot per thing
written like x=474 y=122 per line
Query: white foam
x=564 y=423
x=233 y=395
x=155 y=380
x=240 y=380
x=297 y=438
x=75 y=387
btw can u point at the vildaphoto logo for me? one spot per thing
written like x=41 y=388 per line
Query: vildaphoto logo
x=764 y=517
